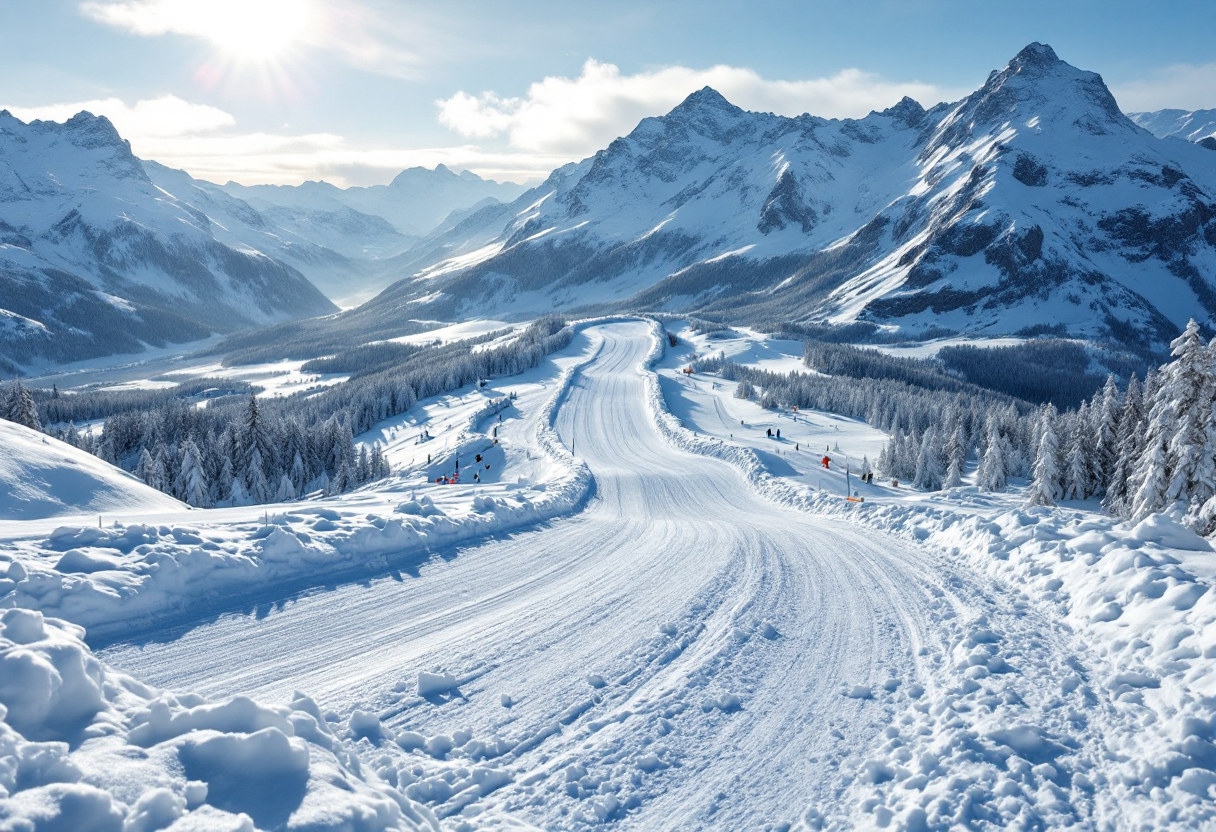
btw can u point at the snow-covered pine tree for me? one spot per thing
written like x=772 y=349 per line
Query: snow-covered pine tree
x=1106 y=409
x=956 y=457
x=159 y=475
x=1128 y=439
x=286 y=492
x=298 y=478
x=744 y=390
x=255 y=479
x=1187 y=389
x=1076 y=453
x=993 y=474
x=1151 y=480
x=928 y=475
x=21 y=407
x=192 y=480
x=145 y=467
x=1045 y=486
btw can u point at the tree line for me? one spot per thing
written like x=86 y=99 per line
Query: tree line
x=1142 y=447
x=213 y=443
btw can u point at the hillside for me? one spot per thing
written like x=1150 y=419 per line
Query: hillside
x=43 y=477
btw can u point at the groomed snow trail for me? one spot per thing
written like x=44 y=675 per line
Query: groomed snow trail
x=681 y=654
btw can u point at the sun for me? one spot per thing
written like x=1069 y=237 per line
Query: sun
x=255 y=31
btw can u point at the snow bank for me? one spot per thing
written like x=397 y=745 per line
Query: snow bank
x=83 y=747
x=43 y=477
x=1139 y=596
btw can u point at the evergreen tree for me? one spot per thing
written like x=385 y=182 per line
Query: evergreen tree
x=1045 y=487
x=928 y=475
x=21 y=408
x=1076 y=470
x=1128 y=439
x=993 y=474
x=258 y=488
x=956 y=457
x=145 y=467
x=191 y=480
x=287 y=491
x=1106 y=410
x=1187 y=390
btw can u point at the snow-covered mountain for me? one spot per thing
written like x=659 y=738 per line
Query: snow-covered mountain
x=383 y=219
x=98 y=257
x=1031 y=205
x=1194 y=126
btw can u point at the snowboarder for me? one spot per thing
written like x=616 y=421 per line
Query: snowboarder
x=778 y=433
x=769 y=433
x=827 y=462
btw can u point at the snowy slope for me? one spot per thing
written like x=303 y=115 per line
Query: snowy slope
x=96 y=258
x=1032 y=204
x=709 y=644
x=42 y=477
x=1194 y=126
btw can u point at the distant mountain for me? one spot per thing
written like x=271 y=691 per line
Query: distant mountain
x=1194 y=126
x=1032 y=205
x=412 y=205
x=98 y=258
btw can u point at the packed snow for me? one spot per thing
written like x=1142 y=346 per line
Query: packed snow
x=651 y=613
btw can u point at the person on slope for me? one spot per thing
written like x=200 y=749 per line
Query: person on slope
x=827 y=462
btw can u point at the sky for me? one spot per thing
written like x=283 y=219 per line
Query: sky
x=354 y=91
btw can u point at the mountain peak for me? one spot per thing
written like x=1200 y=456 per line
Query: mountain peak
x=705 y=98
x=908 y=112
x=1035 y=55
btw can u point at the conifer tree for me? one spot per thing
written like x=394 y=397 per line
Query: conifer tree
x=191 y=480
x=1045 y=485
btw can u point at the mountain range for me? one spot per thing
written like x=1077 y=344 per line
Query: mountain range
x=1033 y=205
x=104 y=253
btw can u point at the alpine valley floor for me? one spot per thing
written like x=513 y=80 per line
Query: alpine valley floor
x=683 y=654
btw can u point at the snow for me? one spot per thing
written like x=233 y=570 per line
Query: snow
x=41 y=477
x=678 y=624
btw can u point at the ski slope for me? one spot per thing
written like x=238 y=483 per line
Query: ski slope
x=681 y=654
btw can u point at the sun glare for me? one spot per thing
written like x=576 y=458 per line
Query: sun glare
x=256 y=31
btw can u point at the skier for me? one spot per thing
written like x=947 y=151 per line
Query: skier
x=769 y=433
x=826 y=462
x=778 y=433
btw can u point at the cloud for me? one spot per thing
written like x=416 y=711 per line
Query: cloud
x=163 y=117
x=199 y=139
x=1180 y=86
x=577 y=116
x=358 y=33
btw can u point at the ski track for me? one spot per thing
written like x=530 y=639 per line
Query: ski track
x=663 y=586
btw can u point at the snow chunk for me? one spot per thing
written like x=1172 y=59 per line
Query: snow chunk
x=432 y=684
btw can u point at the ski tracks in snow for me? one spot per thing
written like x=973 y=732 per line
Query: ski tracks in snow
x=682 y=654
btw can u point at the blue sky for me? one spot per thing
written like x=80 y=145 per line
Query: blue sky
x=354 y=90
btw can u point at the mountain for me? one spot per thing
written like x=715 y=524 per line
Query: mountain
x=1195 y=126
x=1032 y=205
x=97 y=258
x=413 y=204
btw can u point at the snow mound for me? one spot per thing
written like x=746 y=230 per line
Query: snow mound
x=84 y=747
x=43 y=477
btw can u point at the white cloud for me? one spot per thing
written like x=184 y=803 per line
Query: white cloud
x=577 y=116
x=1180 y=86
x=162 y=117
x=260 y=31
